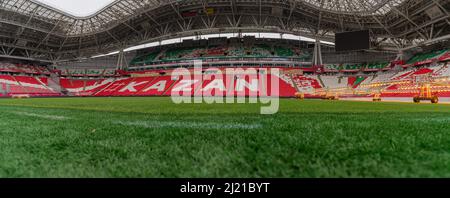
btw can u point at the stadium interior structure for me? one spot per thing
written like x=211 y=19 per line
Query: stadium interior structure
x=46 y=52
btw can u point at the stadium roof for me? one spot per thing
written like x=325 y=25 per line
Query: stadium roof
x=36 y=30
x=366 y=7
x=86 y=8
x=79 y=8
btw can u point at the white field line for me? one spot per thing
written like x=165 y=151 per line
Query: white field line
x=189 y=125
x=428 y=120
x=46 y=116
x=442 y=100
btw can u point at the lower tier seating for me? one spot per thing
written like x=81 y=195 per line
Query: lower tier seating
x=25 y=85
x=289 y=81
x=239 y=85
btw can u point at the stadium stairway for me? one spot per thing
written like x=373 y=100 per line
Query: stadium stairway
x=54 y=83
x=291 y=76
x=443 y=71
x=320 y=80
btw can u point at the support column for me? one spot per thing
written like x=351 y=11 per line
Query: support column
x=317 y=56
x=122 y=63
x=54 y=66
x=400 y=56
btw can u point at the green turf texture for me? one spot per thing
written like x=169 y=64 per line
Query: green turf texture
x=154 y=138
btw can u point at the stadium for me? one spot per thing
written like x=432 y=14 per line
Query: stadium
x=363 y=88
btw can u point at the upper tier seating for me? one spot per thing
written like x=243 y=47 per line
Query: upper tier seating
x=377 y=65
x=354 y=67
x=145 y=59
x=20 y=68
x=94 y=72
x=216 y=51
x=219 y=51
x=235 y=51
x=88 y=72
x=332 y=67
x=8 y=67
x=426 y=56
x=259 y=51
x=284 y=52
x=186 y=53
x=371 y=66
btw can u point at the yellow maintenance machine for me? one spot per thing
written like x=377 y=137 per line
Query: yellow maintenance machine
x=377 y=97
x=426 y=94
x=300 y=96
x=425 y=83
x=330 y=96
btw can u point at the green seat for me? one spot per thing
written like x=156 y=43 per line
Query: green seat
x=284 y=52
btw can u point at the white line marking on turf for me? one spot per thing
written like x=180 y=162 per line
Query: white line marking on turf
x=49 y=117
x=190 y=125
x=443 y=120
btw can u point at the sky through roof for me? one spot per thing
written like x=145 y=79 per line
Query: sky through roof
x=79 y=8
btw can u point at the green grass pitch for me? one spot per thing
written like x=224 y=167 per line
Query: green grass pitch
x=152 y=137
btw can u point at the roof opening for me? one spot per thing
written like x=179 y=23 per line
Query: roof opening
x=366 y=7
x=78 y=8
